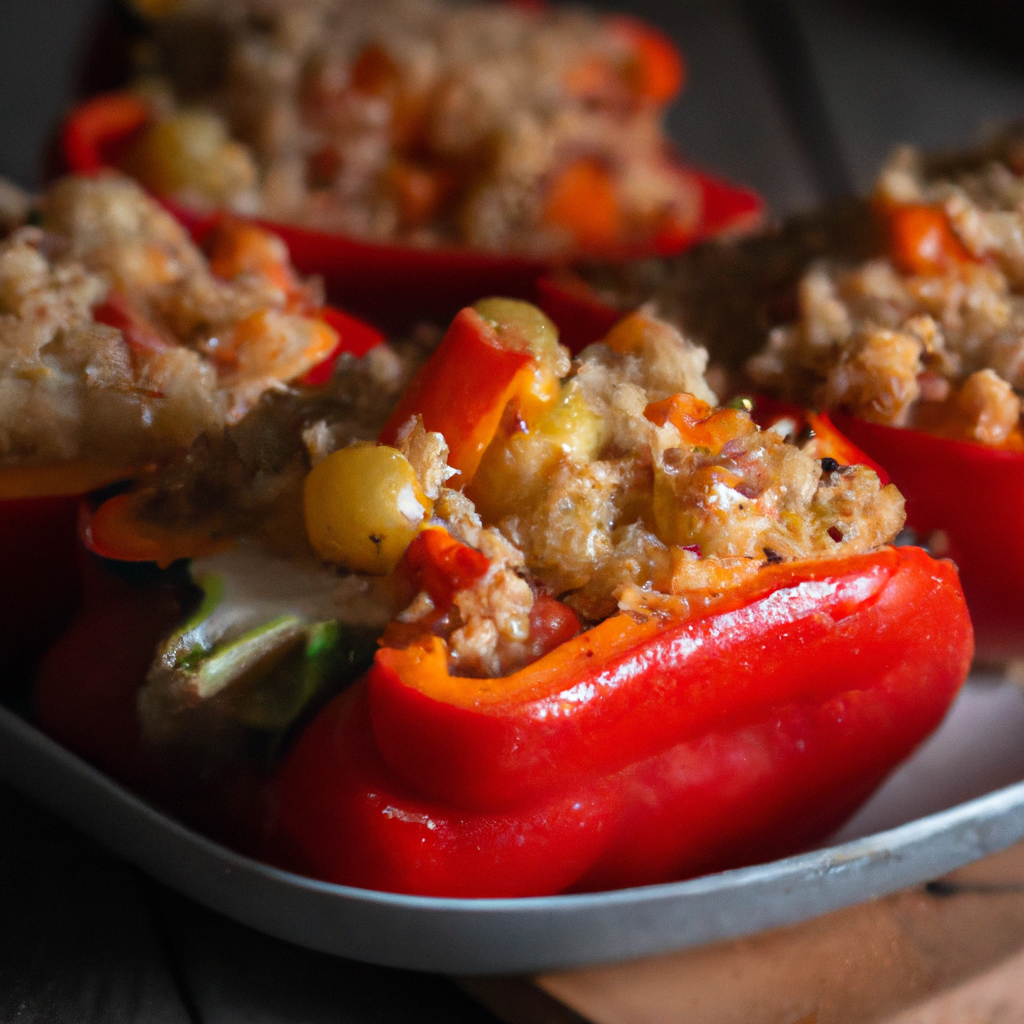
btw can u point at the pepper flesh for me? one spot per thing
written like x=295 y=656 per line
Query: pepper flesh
x=982 y=534
x=722 y=737
x=42 y=589
x=39 y=510
x=100 y=129
x=463 y=390
x=118 y=529
x=85 y=698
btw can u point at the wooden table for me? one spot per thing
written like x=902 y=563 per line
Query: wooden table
x=801 y=100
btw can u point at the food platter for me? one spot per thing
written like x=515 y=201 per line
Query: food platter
x=958 y=799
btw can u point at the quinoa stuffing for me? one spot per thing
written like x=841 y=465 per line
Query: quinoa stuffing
x=121 y=341
x=629 y=490
x=505 y=127
x=929 y=334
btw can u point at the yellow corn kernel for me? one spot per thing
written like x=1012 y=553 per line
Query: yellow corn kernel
x=191 y=151
x=573 y=427
x=363 y=506
x=521 y=325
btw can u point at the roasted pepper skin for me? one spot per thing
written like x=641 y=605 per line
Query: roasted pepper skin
x=721 y=737
x=463 y=390
x=967 y=500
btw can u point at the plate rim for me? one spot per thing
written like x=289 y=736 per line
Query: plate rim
x=501 y=935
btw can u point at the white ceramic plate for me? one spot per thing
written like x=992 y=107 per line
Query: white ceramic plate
x=958 y=799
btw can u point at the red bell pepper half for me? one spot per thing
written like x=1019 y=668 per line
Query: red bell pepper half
x=638 y=751
x=965 y=498
x=42 y=515
x=966 y=501
x=391 y=284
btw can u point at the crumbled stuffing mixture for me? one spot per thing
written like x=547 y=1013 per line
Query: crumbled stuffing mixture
x=631 y=491
x=423 y=120
x=940 y=348
x=245 y=478
x=605 y=509
x=490 y=627
x=630 y=504
x=427 y=453
x=72 y=387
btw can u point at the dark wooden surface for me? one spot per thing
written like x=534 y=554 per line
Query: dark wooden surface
x=947 y=952
x=86 y=937
x=799 y=99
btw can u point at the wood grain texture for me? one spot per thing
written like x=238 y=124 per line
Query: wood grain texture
x=236 y=975
x=77 y=942
x=859 y=965
x=992 y=998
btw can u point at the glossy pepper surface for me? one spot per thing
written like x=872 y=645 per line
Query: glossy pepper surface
x=742 y=726
x=965 y=500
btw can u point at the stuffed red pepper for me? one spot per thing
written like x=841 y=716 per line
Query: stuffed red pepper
x=415 y=159
x=918 y=353
x=902 y=316
x=706 y=653
x=121 y=342
x=622 y=634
